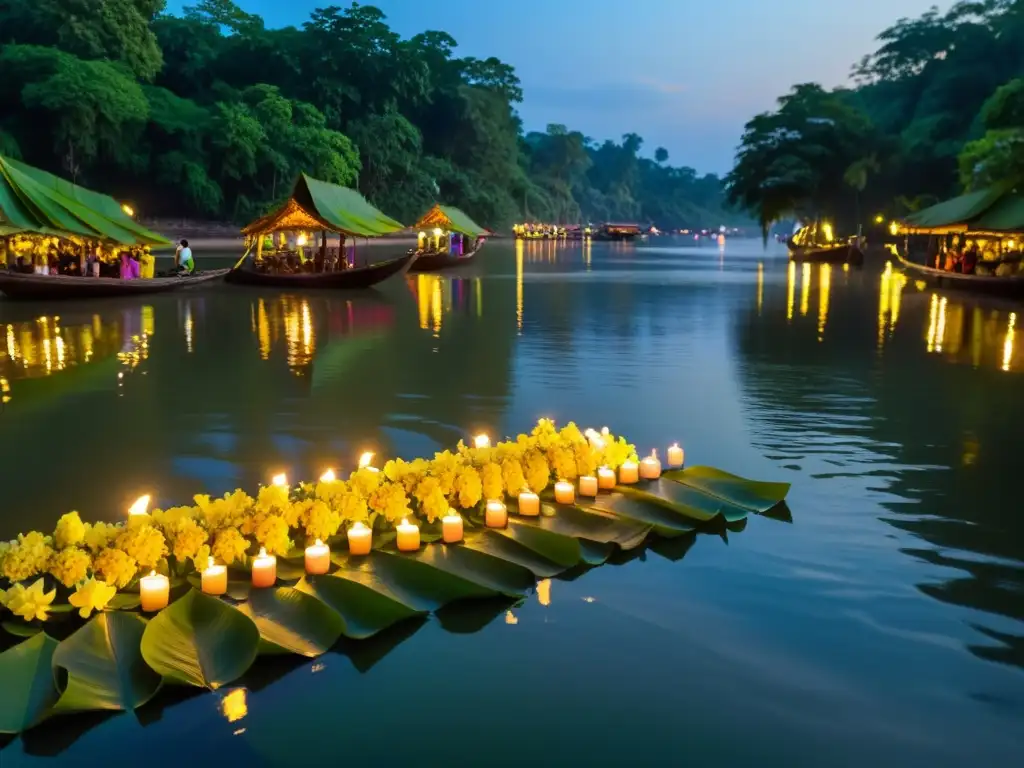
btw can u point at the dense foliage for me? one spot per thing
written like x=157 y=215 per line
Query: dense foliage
x=212 y=115
x=939 y=107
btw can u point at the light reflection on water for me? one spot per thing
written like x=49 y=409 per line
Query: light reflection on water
x=886 y=620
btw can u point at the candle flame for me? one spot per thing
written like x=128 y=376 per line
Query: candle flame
x=279 y=479
x=328 y=476
x=209 y=562
x=654 y=453
x=405 y=521
x=675 y=445
x=140 y=506
x=263 y=552
x=358 y=526
x=365 y=459
x=318 y=543
x=152 y=574
x=605 y=432
x=482 y=441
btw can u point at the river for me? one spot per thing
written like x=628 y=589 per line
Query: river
x=884 y=625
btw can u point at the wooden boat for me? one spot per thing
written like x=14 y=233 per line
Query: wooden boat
x=434 y=262
x=834 y=253
x=1011 y=286
x=27 y=287
x=356 y=277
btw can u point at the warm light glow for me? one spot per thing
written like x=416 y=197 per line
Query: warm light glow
x=933 y=317
x=234 y=706
x=824 y=288
x=894 y=228
x=519 y=286
x=301 y=240
x=544 y=592
x=328 y=476
x=826 y=229
x=279 y=479
x=760 y=286
x=482 y=441
x=365 y=459
x=805 y=289
x=1011 y=332
x=438 y=232
x=790 y=289
x=140 y=506
x=128 y=210
x=879 y=219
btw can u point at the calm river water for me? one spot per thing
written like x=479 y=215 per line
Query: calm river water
x=884 y=626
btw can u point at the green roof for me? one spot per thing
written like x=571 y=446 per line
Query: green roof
x=35 y=201
x=1007 y=215
x=316 y=204
x=451 y=219
x=997 y=208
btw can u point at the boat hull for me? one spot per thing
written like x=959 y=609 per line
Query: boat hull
x=23 y=287
x=348 y=279
x=840 y=253
x=1008 y=287
x=435 y=262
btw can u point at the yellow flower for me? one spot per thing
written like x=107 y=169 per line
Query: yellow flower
x=115 y=567
x=537 y=472
x=444 y=467
x=353 y=508
x=492 y=481
x=227 y=512
x=563 y=462
x=99 y=535
x=433 y=503
x=144 y=543
x=272 y=533
x=229 y=546
x=92 y=595
x=29 y=603
x=5 y=547
x=273 y=498
x=390 y=501
x=364 y=482
x=27 y=557
x=201 y=557
x=318 y=519
x=70 y=531
x=468 y=487
x=187 y=538
x=512 y=475
x=70 y=566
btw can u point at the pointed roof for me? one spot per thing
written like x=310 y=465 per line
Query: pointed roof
x=450 y=219
x=996 y=209
x=316 y=204
x=34 y=201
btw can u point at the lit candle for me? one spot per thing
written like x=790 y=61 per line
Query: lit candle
x=264 y=569
x=215 y=578
x=280 y=479
x=364 y=462
x=628 y=473
x=408 y=536
x=605 y=478
x=360 y=538
x=482 y=441
x=564 y=492
x=451 y=527
x=328 y=476
x=529 y=504
x=139 y=507
x=650 y=468
x=155 y=590
x=675 y=455
x=588 y=485
x=496 y=516
x=318 y=558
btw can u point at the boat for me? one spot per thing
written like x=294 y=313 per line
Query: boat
x=833 y=253
x=342 y=279
x=617 y=231
x=27 y=287
x=1008 y=286
x=434 y=262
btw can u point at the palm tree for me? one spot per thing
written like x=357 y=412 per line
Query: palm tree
x=856 y=176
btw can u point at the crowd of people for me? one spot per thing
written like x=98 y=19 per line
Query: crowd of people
x=34 y=254
x=979 y=257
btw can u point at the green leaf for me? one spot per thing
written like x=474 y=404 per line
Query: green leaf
x=20 y=628
x=494 y=573
x=26 y=682
x=594 y=525
x=753 y=495
x=365 y=611
x=104 y=665
x=560 y=549
x=294 y=620
x=199 y=640
x=681 y=500
x=124 y=601
x=666 y=520
x=499 y=544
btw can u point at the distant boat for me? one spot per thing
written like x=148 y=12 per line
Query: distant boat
x=618 y=231
x=817 y=245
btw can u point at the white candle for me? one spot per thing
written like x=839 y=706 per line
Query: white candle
x=408 y=536
x=360 y=539
x=215 y=578
x=482 y=441
x=605 y=478
x=675 y=455
x=529 y=504
x=318 y=558
x=496 y=516
x=451 y=527
x=264 y=570
x=564 y=492
x=650 y=468
x=280 y=479
x=155 y=590
x=628 y=473
x=588 y=485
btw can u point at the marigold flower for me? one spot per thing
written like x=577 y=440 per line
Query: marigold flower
x=115 y=567
x=143 y=543
x=468 y=487
x=70 y=566
x=229 y=546
x=92 y=595
x=28 y=556
x=70 y=531
x=492 y=481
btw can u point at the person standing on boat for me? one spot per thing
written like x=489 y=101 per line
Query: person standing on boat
x=183 y=263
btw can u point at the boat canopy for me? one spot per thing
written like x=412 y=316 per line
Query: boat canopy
x=996 y=210
x=36 y=202
x=316 y=204
x=450 y=219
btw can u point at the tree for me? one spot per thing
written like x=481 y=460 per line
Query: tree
x=661 y=155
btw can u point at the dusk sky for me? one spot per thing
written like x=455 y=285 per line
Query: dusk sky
x=684 y=74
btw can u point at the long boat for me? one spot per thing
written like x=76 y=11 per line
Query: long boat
x=25 y=287
x=834 y=253
x=434 y=262
x=1011 y=286
x=356 y=277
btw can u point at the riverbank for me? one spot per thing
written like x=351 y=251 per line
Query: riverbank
x=222 y=244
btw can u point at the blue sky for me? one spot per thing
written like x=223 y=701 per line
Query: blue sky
x=683 y=74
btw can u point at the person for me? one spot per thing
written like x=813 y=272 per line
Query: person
x=183 y=262
x=970 y=261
